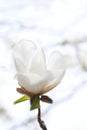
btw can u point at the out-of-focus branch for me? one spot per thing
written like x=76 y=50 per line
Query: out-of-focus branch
x=75 y=43
x=4 y=113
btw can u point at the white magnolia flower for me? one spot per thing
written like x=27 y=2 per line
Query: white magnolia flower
x=35 y=74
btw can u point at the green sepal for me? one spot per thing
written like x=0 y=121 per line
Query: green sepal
x=22 y=99
x=35 y=103
x=46 y=99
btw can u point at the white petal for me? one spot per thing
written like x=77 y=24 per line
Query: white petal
x=20 y=67
x=56 y=65
x=24 y=51
x=48 y=87
x=32 y=82
x=56 y=60
x=38 y=63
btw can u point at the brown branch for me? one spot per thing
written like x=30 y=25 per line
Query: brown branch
x=41 y=122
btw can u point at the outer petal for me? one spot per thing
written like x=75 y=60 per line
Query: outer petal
x=20 y=67
x=38 y=63
x=56 y=61
x=56 y=65
x=48 y=87
x=24 y=51
x=33 y=82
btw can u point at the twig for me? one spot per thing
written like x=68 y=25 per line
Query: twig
x=41 y=122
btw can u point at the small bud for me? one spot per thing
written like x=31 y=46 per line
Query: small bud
x=46 y=99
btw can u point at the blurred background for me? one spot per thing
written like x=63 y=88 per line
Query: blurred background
x=60 y=24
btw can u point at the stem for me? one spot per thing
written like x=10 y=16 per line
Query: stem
x=41 y=122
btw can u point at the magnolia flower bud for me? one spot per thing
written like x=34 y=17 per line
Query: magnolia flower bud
x=35 y=74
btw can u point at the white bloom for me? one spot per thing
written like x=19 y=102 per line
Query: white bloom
x=34 y=73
